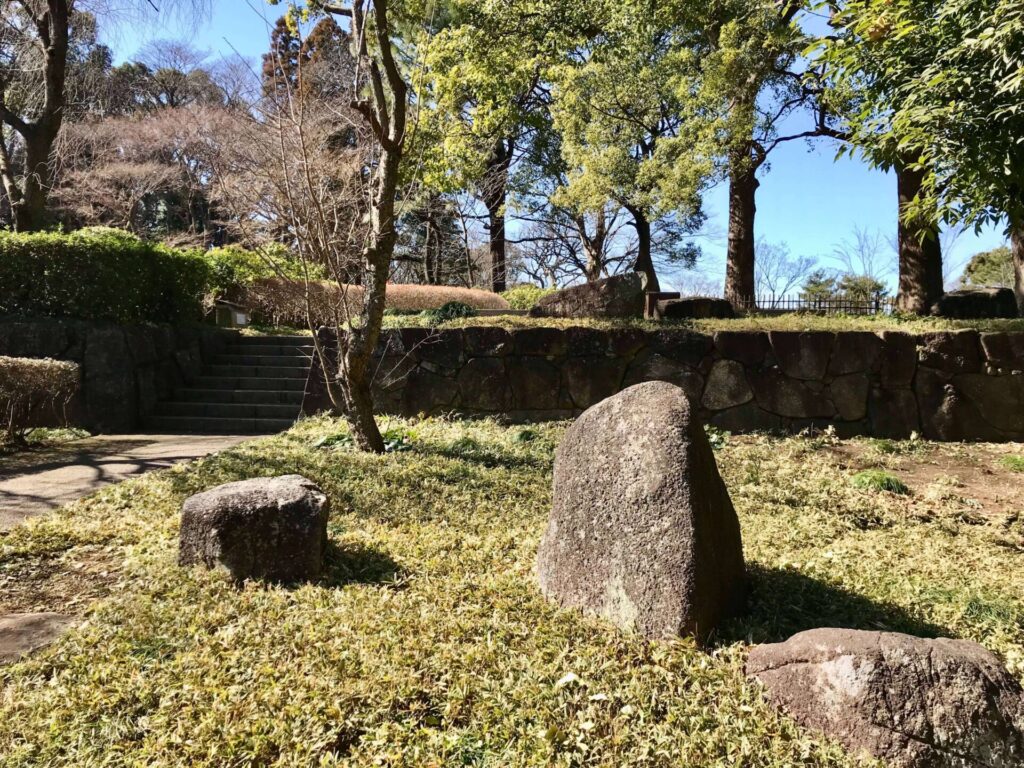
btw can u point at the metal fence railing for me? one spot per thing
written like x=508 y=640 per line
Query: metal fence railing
x=769 y=303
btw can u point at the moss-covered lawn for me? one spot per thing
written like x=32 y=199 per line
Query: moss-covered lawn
x=428 y=644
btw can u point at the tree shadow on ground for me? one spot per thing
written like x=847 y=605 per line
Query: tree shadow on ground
x=347 y=564
x=475 y=453
x=782 y=602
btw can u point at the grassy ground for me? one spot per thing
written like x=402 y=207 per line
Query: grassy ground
x=428 y=644
x=793 y=321
x=788 y=322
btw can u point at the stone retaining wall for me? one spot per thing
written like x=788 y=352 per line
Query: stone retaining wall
x=125 y=369
x=947 y=386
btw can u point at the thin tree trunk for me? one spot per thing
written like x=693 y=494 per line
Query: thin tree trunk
x=920 y=253
x=740 y=286
x=387 y=118
x=594 y=246
x=495 y=196
x=644 y=262
x=1017 y=250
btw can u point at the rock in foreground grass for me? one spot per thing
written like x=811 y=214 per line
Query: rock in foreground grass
x=266 y=528
x=914 y=702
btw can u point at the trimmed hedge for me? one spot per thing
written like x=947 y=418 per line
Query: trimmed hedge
x=111 y=275
x=233 y=267
x=28 y=386
x=100 y=274
x=525 y=296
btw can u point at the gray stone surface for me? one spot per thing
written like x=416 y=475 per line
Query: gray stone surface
x=789 y=397
x=947 y=386
x=125 y=369
x=973 y=303
x=695 y=307
x=642 y=531
x=23 y=633
x=913 y=702
x=850 y=396
x=802 y=355
x=265 y=528
x=617 y=296
x=726 y=386
x=951 y=351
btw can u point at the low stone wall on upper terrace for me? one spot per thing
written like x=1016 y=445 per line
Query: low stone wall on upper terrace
x=961 y=385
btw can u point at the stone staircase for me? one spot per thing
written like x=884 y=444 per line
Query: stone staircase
x=254 y=387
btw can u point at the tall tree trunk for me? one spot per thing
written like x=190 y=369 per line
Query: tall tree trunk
x=28 y=200
x=495 y=194
x=740 y=285
x=1017 y=250
x=30 y=209
x=920 y=253
x=644 y=263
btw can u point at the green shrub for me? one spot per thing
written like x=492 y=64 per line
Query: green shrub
x=233 y=268
x=453 y=310
x=525 y=296
x=879 y=480
x=1014 y=463
x=27 y=387
x=99 y=274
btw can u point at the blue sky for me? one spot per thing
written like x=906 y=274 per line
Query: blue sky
x=806 y=200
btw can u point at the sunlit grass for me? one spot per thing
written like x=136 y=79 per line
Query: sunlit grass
x=428 y=643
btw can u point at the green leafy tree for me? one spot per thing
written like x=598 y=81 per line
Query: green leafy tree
x=943 y=104
x=488 y=65
x=824 y=286
x=745 y=76
x=992 y=268
x=820 y=286
x=624 y=134
x=861 y=288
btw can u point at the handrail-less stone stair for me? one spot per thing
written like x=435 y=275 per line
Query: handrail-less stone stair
x=255 y=386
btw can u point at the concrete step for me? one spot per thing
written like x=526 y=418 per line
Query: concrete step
x=257 y=371
x=216 y=426
x=229 y=410
x=287 y=361
x=277 y=341
x=270 y=350
x=245 y=396
x=245 y=382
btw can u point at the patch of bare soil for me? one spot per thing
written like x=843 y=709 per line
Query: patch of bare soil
x=65 y=583
x=972 y=474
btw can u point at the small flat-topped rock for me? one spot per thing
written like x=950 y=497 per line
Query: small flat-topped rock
x=266 y=528
x=23 y=633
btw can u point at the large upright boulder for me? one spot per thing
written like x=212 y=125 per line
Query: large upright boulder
x=642 y=531
x=617 y=296
x=266 y=528
x=913 y=702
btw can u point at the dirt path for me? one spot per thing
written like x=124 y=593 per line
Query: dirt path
x=35 y=482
